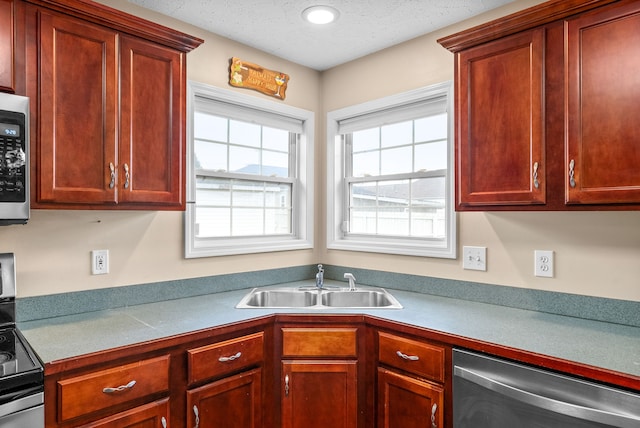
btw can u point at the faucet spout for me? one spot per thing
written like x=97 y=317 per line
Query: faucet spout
x=320 y=278
x=352 y=281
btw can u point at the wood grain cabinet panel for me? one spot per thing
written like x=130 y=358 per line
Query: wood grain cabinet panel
x=152 y=415
x=226 y=357
x=405 y=402
x=420 y=358
x=7 y=46
x=233 y=402
x=499 y=122
x=99 y=390
x=603 y=83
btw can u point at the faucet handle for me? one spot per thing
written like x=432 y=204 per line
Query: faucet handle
x=320 y=269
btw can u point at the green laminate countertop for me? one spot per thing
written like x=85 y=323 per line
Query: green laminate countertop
x=609 y=346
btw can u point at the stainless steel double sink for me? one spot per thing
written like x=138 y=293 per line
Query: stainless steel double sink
x=314 y=298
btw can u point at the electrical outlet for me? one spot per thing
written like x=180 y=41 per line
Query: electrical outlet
x=99 y=262
x=543 y=263
x=474 y=258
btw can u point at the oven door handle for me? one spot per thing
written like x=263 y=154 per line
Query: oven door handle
x=546 y=403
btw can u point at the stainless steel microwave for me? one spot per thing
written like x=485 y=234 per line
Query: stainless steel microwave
x=14 y=159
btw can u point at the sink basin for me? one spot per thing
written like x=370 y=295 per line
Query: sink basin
x=280 y=298
x=334 y=297
x=361 y=298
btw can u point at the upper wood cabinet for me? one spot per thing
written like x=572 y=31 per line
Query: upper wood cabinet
x=545 y=101
x=108 y=101
x=7 y=46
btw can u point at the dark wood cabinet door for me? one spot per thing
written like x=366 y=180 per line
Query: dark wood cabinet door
x=405 y=402
x=319 y=394
x=603 y=89
x=233 y=402
x=500 y=122
x=77 y=117
x=152 y=159
x=153 y=415
x=7 y=57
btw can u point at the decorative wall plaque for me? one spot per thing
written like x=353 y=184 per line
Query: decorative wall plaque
x=244 y=74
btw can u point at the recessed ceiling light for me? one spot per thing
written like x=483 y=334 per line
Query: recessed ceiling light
x=320 y=14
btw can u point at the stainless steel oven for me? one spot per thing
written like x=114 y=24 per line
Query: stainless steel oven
x=493 y=393
x=21 y=372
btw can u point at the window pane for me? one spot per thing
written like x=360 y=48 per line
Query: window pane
x=247 y=194
x=213 y=222
x=212 y=191
x=366 y=164
x=396 y=161
x=431 y=156
x=364 y=195
x=209 y=127
x=362 y=221
x=367 y=139
x=277 y=221
x=275 y=139
x=277 y=195
x=243 y=133
x=397 y=134
x=393 y=221
x=247 y=222
x=275 y=164
x=212 y=156
x=244 y=160
x=394 y=194
x=431 y=128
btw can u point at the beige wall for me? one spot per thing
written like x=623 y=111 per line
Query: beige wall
x=597 y=253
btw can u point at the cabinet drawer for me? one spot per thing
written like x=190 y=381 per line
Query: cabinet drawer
x=102 y=389
x=319 y=342
x=415 y=357
x=225 y=357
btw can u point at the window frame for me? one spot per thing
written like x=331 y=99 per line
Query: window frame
x=337 y=195
x=302 y=192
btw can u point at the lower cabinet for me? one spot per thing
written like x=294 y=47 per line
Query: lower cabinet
x=232 y=396
x=319 y=377
x=411 y=376
x=232 y=402
x=152 y=415
x=319 y=394
x=407 y=402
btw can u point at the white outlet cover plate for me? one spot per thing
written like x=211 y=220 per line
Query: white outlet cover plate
x=543 y=263
x=474 y=258
x=97 y=267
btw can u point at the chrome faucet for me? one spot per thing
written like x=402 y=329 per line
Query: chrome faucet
x=352 y=281
x=320 y=277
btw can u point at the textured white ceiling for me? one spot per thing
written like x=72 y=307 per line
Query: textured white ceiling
x=364 y=26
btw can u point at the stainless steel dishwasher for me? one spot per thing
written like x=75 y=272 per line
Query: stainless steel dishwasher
x=492 y=393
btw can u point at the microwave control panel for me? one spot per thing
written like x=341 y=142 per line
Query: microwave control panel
x=13 y=158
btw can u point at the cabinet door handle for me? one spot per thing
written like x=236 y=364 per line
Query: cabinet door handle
x=112 y=168
x=286 y=386
x=120 y=388
x=434 y=409
x=231 y=358
x=126 y=176
x=572 y=166
x=536 y=182
x=407 y=357
x=197 y=415
x=163 y=421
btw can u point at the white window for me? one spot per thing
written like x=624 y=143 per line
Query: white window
x=389 y=175
x=250 y=174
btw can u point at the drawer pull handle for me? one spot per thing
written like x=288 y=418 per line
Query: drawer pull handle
x=536 y=182
x=119 y=388
x=434 y=409
x=126 y=176
x=407 y=357
x=197 y=414
x=112 y=168
x=286 y=386
x=163 y=421
x=572 y=173
x=231 y=358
